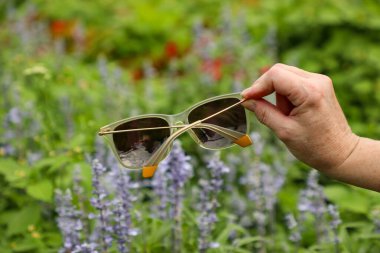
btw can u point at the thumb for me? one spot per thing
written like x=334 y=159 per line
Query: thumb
x=269 y=115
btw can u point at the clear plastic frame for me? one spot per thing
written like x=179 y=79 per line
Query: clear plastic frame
x=177 y=124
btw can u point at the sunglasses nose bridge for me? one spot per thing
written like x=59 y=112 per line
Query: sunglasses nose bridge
x=179 y=118
x=190 y=132
x=178 y=123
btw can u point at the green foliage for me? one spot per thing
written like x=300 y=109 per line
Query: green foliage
x=68 y=98
x=340 y=39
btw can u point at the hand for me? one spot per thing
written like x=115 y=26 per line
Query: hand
x=307 y=116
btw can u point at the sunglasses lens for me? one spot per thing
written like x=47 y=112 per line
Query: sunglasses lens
x=136 y=147
x=233 y=118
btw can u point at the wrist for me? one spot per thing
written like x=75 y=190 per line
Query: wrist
x=361 y=167
x=342 y=152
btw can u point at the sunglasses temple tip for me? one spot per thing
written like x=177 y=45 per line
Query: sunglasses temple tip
x=244 y=141
x=148 y=171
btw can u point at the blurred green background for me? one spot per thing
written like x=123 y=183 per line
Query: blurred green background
x=69 y=67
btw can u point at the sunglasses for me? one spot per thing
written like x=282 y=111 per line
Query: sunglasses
x=144 y=141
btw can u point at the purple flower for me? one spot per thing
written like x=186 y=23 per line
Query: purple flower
x=291 y=223
x=375 y=216
x=15 y=116
x=123 y=208
x=208 y=199
x=77 y=181
x=172 y=174
x=68 y=220
x=178 y=170
x=264 y=182
x=86 y=248
x=313 y=200
x=160 y=188
x=7 y=150
x=33 y=157
x=207 y=217
x=335 y=217
x=217 y=169
x=334 y=223
x=101 y=150
x=112 y=218
x=121 y=227
x=79 y=193
x=258 y=143
x=12 y=121
x=101 y=204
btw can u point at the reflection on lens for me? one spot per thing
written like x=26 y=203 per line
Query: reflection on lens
x=234 y=119
x=136 y=147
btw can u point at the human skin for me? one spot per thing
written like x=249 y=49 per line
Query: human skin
x=307 y=117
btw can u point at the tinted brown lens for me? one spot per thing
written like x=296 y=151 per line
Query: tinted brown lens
x=136 y=147
x=234 y=119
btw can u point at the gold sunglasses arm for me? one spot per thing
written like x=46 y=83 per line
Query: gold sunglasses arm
x=237 y=137
x=152 y=163
x=102 y=132
x=216 y=128
x=233 y=135
x=137 y=129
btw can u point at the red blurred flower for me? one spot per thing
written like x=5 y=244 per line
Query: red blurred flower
x=62 y=28
x=171 y=49
x=137 y=74
x=213 y=67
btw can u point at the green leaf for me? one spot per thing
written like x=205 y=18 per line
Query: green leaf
x=249 y=240
x=234 y=249
x=52 y=163
x=355 y=224
x=15 y=173
x=369 y=236
x=25 y=246
x=42 y=190
x=223 y=235
x=18 y=221
x=345 y=196
x=52 y=239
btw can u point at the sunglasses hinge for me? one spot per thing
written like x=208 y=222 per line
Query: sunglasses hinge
x=103 y=131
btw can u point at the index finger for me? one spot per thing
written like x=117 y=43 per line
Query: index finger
x=279 y=80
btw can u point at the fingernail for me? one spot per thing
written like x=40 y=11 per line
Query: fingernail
x=249 y=104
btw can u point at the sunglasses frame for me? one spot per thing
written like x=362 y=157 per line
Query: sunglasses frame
x=176 y=123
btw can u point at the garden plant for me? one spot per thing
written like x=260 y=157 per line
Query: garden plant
x=69 y=67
